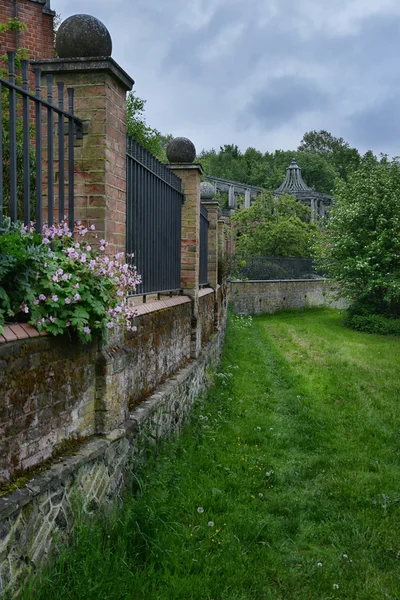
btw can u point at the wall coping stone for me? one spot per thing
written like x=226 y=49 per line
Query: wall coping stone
x=19 y=331
x=206 y=292
x=144 y=309
x=278 y=280
x=186 y=167
x=85 y=65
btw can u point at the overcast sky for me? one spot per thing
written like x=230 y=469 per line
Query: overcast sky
x=260 y=72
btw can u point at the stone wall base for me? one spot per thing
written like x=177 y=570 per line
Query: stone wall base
x=33 y=518
x=262 y=297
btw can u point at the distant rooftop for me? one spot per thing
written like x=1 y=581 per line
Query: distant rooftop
x=294 y=184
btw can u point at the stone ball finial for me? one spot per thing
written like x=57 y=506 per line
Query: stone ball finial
x=181 y=150
x=207 y=191
x=83 y=36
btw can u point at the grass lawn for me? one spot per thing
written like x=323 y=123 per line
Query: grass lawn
x=285 y=485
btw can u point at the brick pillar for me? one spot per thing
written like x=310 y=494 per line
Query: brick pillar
x=190 y=246
x=212 y=209
x=100 y=161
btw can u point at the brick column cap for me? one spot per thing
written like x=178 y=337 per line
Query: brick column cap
x=211 y=203
x=186 y=167
x=106 y=64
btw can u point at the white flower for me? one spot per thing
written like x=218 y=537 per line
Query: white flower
x=335 y=586
x=319 y=564
x=211 y=523
x=200 y=509
x=345 y=556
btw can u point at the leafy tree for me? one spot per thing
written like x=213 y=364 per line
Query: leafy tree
x=362 y=242
x=138 y=129
x=339 y=153
x=274 y=227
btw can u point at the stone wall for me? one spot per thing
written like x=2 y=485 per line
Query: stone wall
x=260 y=297
x=47 y=395
x=206 y=313
x=32 y=518
x=53 y=389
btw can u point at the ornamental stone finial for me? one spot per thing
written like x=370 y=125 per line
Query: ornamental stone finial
x=83 y=36
x=181 y=150
x=207 y=191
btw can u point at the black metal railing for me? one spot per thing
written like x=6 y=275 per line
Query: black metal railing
x=269 y=268
x=154 y=221
x=203 y=245
x=22 y=159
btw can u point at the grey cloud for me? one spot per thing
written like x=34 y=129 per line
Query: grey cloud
x=282 y=101
x=270 y=76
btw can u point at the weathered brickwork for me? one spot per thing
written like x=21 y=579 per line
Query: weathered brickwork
x=260 y=297
x=38 y=37
x=54 y=389
x=212 y=209
x=100 y=158
x=47 y=395
x=206 y=314
x=35 y=519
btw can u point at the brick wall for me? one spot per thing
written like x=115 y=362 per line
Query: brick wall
x=47 y=395
x=38 y=38
x=53 y=389
x=206 y=313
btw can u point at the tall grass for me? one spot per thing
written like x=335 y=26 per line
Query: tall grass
x=285 y=484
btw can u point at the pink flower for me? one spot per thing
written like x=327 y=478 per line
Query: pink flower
x=52 y=319
x=110 y=325
x=46 y=241
x=54 y=298
x=68 y=324
x=93 y=228
x=88 y=248
x=87 y=330
x=67 y=300
x=42 y=297
x=36 y=302
x=102 y=248
x=77 y=298
x=76 y=286
x=77 y=246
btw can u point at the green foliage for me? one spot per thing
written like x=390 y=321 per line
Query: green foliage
x=283 y=485
x=268 y=170
x=12 y=25
x=60 y=284
x=340 y=155
x=274 y=227
x=362 y=242
x=137 y=128
x=20 y=256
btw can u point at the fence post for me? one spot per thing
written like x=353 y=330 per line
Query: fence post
x=181 y=154
x=85 y=64
x=207 y=199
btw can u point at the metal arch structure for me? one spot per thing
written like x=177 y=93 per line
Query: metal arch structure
x=295 y=185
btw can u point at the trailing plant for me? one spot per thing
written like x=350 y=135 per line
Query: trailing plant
x=60 y=283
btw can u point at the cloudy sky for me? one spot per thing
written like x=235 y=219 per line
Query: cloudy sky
x=260 y=72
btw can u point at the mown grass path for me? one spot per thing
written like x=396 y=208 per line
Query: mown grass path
x=285 y=485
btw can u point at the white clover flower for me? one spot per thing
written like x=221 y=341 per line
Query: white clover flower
x=319 y=564
x=210 y=523
x=200 y=509
x=335 y=586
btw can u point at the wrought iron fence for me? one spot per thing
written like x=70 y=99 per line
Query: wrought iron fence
x=267 y=268
x=22 y=186
x=203 y=245
x=154 y=214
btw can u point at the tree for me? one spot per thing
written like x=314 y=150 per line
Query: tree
x=362 y=242
x=274 y=227
x=138 y=129
x=339 y=153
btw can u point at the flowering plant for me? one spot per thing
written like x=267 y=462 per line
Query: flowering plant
x=74 y=286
